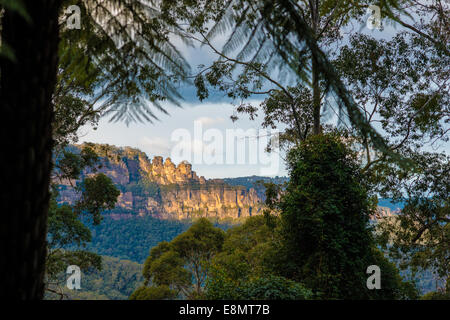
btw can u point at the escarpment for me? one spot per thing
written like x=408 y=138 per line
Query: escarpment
x=165 y=190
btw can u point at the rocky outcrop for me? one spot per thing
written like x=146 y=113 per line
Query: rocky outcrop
x=163 y=189
x=167 y=172
x=220 y=201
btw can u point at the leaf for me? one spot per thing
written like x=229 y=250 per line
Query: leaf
x=18 y=6
x=7 y=52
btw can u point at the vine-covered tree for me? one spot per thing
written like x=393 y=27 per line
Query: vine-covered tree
x=128 y=41
x=325 y=212
x=124 y=54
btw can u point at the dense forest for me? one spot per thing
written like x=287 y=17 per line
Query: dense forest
x=133 y=238
x=354 y=97
x=116 y=280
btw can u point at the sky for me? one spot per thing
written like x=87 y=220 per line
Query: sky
x=200 y=125
x=158 y=139
x=202 y=132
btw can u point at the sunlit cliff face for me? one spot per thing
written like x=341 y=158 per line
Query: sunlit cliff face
x=176 y=192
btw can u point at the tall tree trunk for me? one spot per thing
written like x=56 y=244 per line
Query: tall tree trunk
x=26 y=88
x=315 y=19
x=316 y=97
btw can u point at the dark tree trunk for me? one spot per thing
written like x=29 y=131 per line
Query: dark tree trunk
x=26 y=88
x=316 y=97
x=315 y=19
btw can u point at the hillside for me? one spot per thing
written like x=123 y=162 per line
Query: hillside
x=116 y=281
x=132 y=238
x=161 y=189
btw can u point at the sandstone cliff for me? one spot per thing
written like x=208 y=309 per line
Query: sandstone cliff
x=163 y=189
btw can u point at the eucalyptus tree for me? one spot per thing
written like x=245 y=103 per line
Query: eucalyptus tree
x=402 y=86
x=122 y=48
x=180 y=268
x=265 y=41
x=271 y=44
x=259 y=68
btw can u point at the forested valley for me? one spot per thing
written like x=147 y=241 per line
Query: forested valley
x=346 y=188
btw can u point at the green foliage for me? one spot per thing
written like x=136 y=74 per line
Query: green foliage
x=393 y=286
x=69 y=164
x=402 y=84
x=275 y=288
x=202 y=238
x=435 y=296
x=323 y=234
x=164 y=267
x=59 y=259
x=114 y=280
x=418 y=237
x=132 y=238
x=390 y=81
x=121 y=64
x=276 y=43
x=65 y=229
x=327 y=241
x=246 y=268
x=98 y=194
x=270 y=287
x=442 y=294
x=153 y=293
x=248 y=249
x=183 y=264
x=325 y=215
x=294 y=109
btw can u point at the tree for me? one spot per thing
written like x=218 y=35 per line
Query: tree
x=403 y=85
x=327 y=240
x=221 y=287
x=67 y=234
x=413 y=107
x=439 y=295
x=325 y=215
x=164 y=268
x=418 y=237
x=27 y=82
x=248 y=266
x=26 y=88
x=120 y=62
x=153 y=293
x=270 y=43
x=116 y=280
x=253 y=71
x=182 y=265
x=197 y=246
x=281 y=39
x=249 y=250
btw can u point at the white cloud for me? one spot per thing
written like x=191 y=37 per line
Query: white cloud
x=209 y=121
x=155 y=146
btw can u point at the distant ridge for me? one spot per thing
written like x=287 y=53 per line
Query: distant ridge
x=165 y=190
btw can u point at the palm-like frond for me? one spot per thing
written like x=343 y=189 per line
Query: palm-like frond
x=304 y=35
x=277 y=35
x=132 y=46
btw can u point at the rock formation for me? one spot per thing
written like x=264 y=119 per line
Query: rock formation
x=165 y=190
